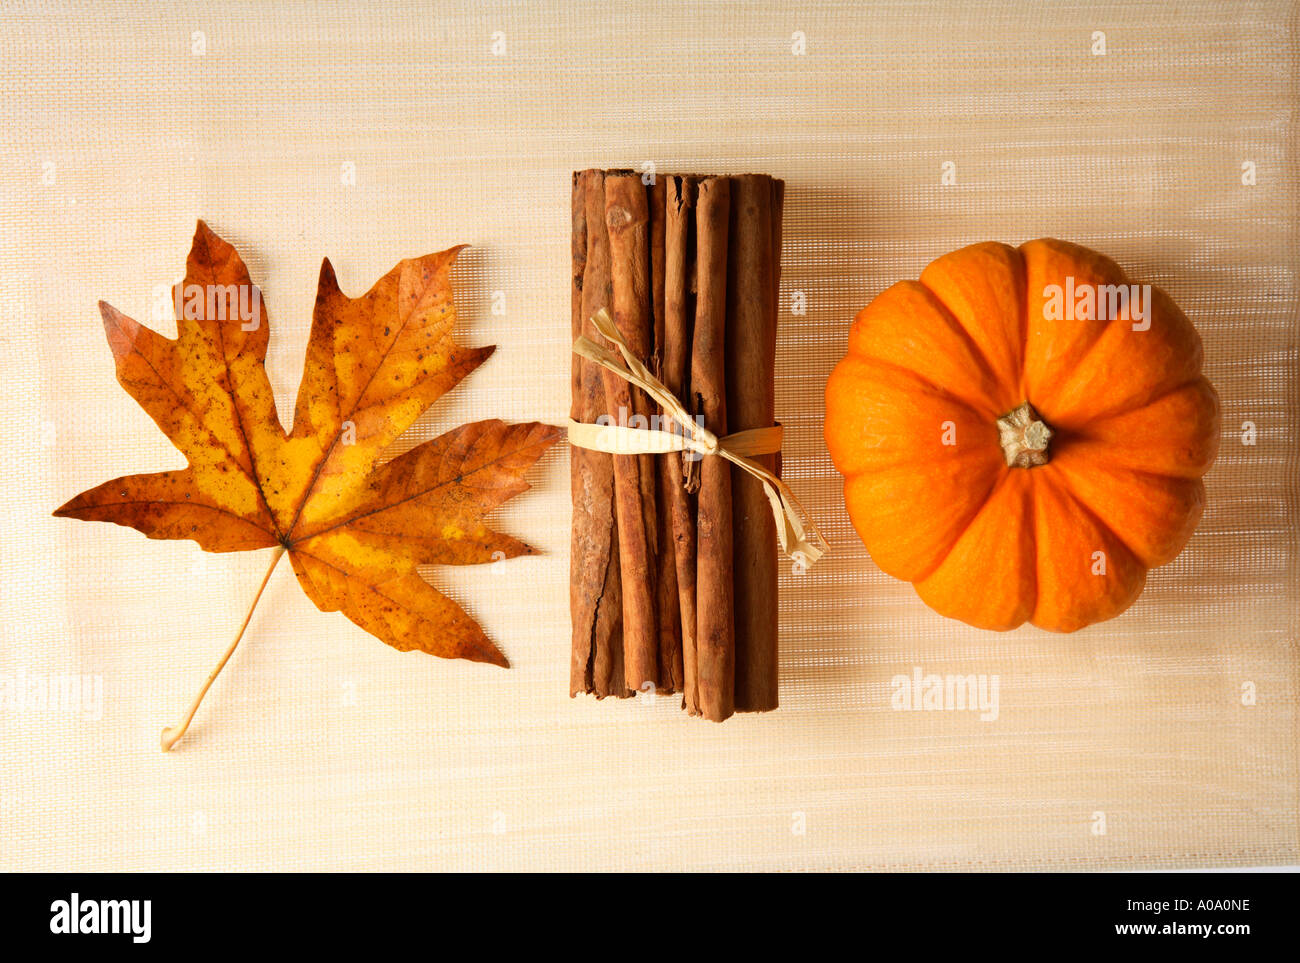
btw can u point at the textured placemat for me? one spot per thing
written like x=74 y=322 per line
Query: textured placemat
x=1161 y=134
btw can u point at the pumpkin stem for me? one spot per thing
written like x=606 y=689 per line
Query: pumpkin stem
x=1024 y=437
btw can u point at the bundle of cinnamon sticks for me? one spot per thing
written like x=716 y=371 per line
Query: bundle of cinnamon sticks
x=673 y=579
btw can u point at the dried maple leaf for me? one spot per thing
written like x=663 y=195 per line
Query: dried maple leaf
x=354 y=529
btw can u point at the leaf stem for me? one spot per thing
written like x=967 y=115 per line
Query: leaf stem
x=173 y=734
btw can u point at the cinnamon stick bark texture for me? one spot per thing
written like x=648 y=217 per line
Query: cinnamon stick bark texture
x=668 y=609
x=753 y=274
x=715 y=626
x=778 y=219
x=658 y=254
x=579 y=253
x=679 y=324
x=595 y=588
x=627 y=218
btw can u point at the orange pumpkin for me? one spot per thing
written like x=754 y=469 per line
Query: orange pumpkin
x=1016 y=447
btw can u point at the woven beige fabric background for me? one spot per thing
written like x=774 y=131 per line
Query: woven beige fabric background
x=319 y=748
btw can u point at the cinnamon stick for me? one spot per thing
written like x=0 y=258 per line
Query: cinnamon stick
x=753 y=266
x=679 y=322
x=668 y=595
x=595 y=589
x=627 y=218
x=778 y=219
x=715 y=631
x=658 y=241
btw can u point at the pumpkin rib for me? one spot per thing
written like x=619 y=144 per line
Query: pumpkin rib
x=907 y=325
x=1124 y=409
x=1156 y=475
x=1189 y=491
x=1011 y=596
x=1188 y=340
x=894 y=547
x=1082 y=360
x=1062 y=481
x=1122 y=369
x=1155 y=398
x=924 y=382
x=947 y=278
x=1033 y=546
x=1206 y=425
x=979 y=505
x=1105 y=268
x=1022 y=387
x=865 y=387
x=954 y=322
x=1132 y=564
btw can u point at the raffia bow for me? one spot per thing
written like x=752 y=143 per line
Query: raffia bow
x=799 y=537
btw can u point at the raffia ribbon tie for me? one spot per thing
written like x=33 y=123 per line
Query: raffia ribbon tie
x=799 y=537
